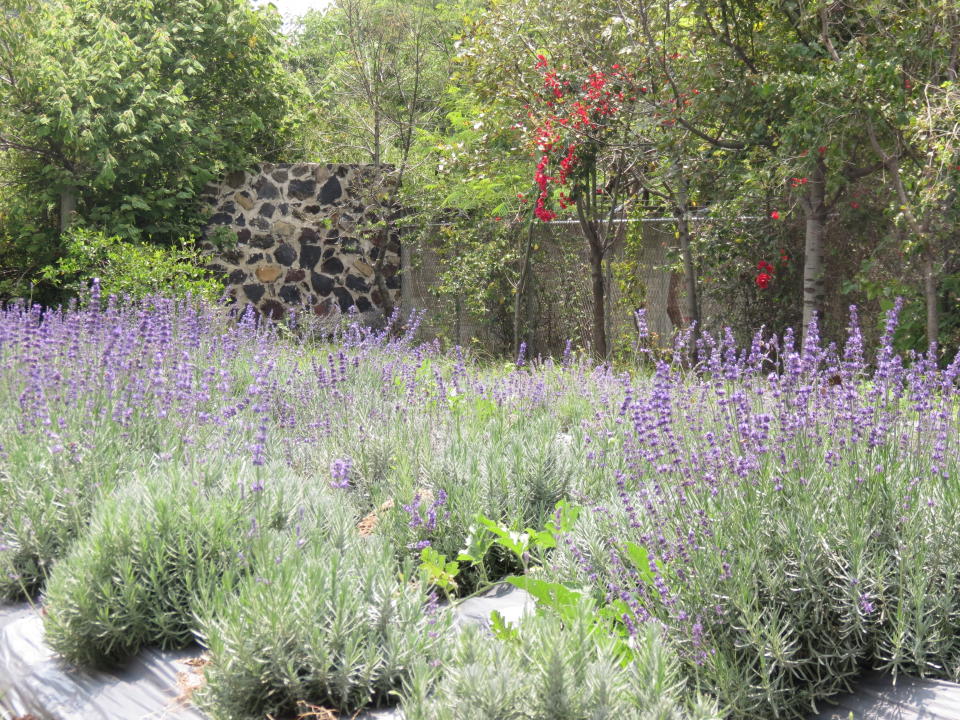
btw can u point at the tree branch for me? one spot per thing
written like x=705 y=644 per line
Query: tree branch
x=825 y=33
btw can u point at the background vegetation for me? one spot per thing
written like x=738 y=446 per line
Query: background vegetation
x=818 y=138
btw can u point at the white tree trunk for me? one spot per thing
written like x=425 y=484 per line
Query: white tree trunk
x=68 y=206
x=815 y=209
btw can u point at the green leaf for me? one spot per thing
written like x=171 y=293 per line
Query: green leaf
x=640 y=558
x=478 y=544
x=552 y=595
x=502 y=630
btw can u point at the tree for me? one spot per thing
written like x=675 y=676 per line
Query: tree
x=585 y=157
x=750 y=80
x=378 y=70
x=581 y=132
x=116 y=113
x=809 y=98
x=910 y=112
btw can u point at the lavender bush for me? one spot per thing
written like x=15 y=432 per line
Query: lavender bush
x=549 y=671
x=151 y=555
x=329 y=623
x=779 y=518
x=789 y=518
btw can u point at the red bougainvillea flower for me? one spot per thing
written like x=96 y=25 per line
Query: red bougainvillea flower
x=763 y=280
x=775 y=215
x=764 y=265
x=541 y=62
x=551 y=82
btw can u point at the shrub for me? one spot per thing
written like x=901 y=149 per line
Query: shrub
x=442 y=454
x=786 y=530
x=331 y=623
x=152 y=554
x=544 y=670
x=91 y=395
x=131 y=269
x=46 y=499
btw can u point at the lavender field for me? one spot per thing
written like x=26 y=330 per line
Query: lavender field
x=737 y=540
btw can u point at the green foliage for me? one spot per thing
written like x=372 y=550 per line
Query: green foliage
x=46 y=499
x=517 y=478
x=911 y=333
x=376 y=70
x=545 y=670
x=131 y=268
x=436 y=570
x=137 y=576
x=131 y=107
x=529 y=546
x=805 y=580
x=330 y=624
x=759 y=538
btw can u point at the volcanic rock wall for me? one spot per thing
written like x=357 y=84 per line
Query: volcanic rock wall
x=306 y=238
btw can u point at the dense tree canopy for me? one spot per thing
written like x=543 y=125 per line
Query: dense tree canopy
x=115 y=114
x=806 y=153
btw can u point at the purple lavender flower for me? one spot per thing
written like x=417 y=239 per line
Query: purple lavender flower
x=522 y=355
x=340 y=472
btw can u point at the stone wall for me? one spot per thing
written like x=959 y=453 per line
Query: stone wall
x=306 y=238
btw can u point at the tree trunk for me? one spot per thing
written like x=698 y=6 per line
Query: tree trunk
x=68 y=206
x=692 y=314
x=930 y=296
x=608 y=298
x=521 y=288
x=599 y=314
x=673 y=304
x=815 y=209
x=376 y=137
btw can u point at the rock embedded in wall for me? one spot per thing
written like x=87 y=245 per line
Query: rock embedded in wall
x=304 y=239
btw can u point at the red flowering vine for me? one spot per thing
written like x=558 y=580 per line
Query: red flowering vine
x=765 y=275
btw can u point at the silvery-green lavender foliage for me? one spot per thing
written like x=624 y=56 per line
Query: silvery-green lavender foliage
x=548 y=671
x=446 y=440
x=330 y=623
x=103 y=390
x=44 y=504
x=94 y=394
x=789 y=529
x=167 y=545
x=138 y=573
x=784 y=516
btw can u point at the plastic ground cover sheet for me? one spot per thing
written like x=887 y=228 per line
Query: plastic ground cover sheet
x=36 y=685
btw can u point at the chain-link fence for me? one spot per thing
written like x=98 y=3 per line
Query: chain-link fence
x=556 y=305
